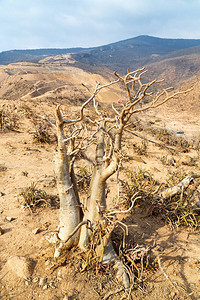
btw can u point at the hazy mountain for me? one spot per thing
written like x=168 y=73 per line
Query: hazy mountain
x=136 y=51
x=34 y=55
x=175 y=60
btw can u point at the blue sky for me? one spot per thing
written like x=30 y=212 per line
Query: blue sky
x=30 y=24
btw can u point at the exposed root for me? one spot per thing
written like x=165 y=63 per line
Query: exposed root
x=111 y=293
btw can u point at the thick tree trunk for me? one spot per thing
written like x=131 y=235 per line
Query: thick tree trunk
x=69 y=205
x=96 y=201
x=69 y=210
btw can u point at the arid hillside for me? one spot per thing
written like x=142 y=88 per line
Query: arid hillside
x=160 y=148
x=28 y=81
x=175 y=60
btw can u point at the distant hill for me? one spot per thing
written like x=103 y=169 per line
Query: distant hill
x=175 y=60
x=135 y=52
x=34 y=55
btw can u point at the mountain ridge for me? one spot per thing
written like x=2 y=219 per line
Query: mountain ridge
x=136 y=50
x=175 y=60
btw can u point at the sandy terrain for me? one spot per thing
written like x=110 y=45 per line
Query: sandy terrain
x=24 y=161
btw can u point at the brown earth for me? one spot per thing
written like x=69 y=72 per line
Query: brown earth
x=24 y=161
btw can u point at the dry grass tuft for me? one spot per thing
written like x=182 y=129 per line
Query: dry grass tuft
x=179 y=210
x=171 y=139
x=9 y=118
x=31 y=197
x=43 y=134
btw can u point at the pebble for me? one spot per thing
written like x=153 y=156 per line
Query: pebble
x=172 y=294
x=36 y=230
x=1 y=231
x=45 y=287
x=22 y=266
x=35 y=279
x=42 y=281
x=10 y=219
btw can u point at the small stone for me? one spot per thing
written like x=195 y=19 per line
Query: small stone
x=10 y=219
x=1 y=211
x=36 y=230
x=45 y=287
x=26 y=283
x=42 y=281
x=1 y=231
x=172 y=294
x=47 y=262
x=2 y=194
x=35 y=279
x=22 y=266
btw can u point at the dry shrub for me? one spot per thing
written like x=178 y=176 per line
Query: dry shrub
x=178 y=210
x=43 y=134
x=171 y=139
x=168 y=161
x=141 y=148
x=31 y=197
x=27 y=111
x=138 y=261
x=9 y=118
x=140 y=182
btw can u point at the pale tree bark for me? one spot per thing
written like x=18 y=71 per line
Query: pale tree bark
x=69 y=206
x=96 y=201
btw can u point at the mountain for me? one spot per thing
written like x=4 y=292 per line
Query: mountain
x=136 y=51
x=175 y=60
x=33 y=55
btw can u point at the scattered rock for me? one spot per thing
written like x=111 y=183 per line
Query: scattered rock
x=42 y=281
x=22 y=266
x=10 y=219
x=52 y=285
x=1 y=211
x=2 y=194
x=35 y=280
x=1 y=231
x=172 y=294
x=45 y=287
x=36 y=230
x=179 y=132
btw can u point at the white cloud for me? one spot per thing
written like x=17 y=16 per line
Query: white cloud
x=69 y=23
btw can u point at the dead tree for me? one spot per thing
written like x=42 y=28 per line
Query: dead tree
x=74 y=216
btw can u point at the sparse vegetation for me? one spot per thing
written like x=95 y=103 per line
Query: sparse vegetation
x=31 y=197
x=141 y=148
x=140 y=183
x=43 y=134
x=178 y=210
x=9 y=118
x=170 y=138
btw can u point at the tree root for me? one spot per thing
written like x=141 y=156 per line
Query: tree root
x=108 y=255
